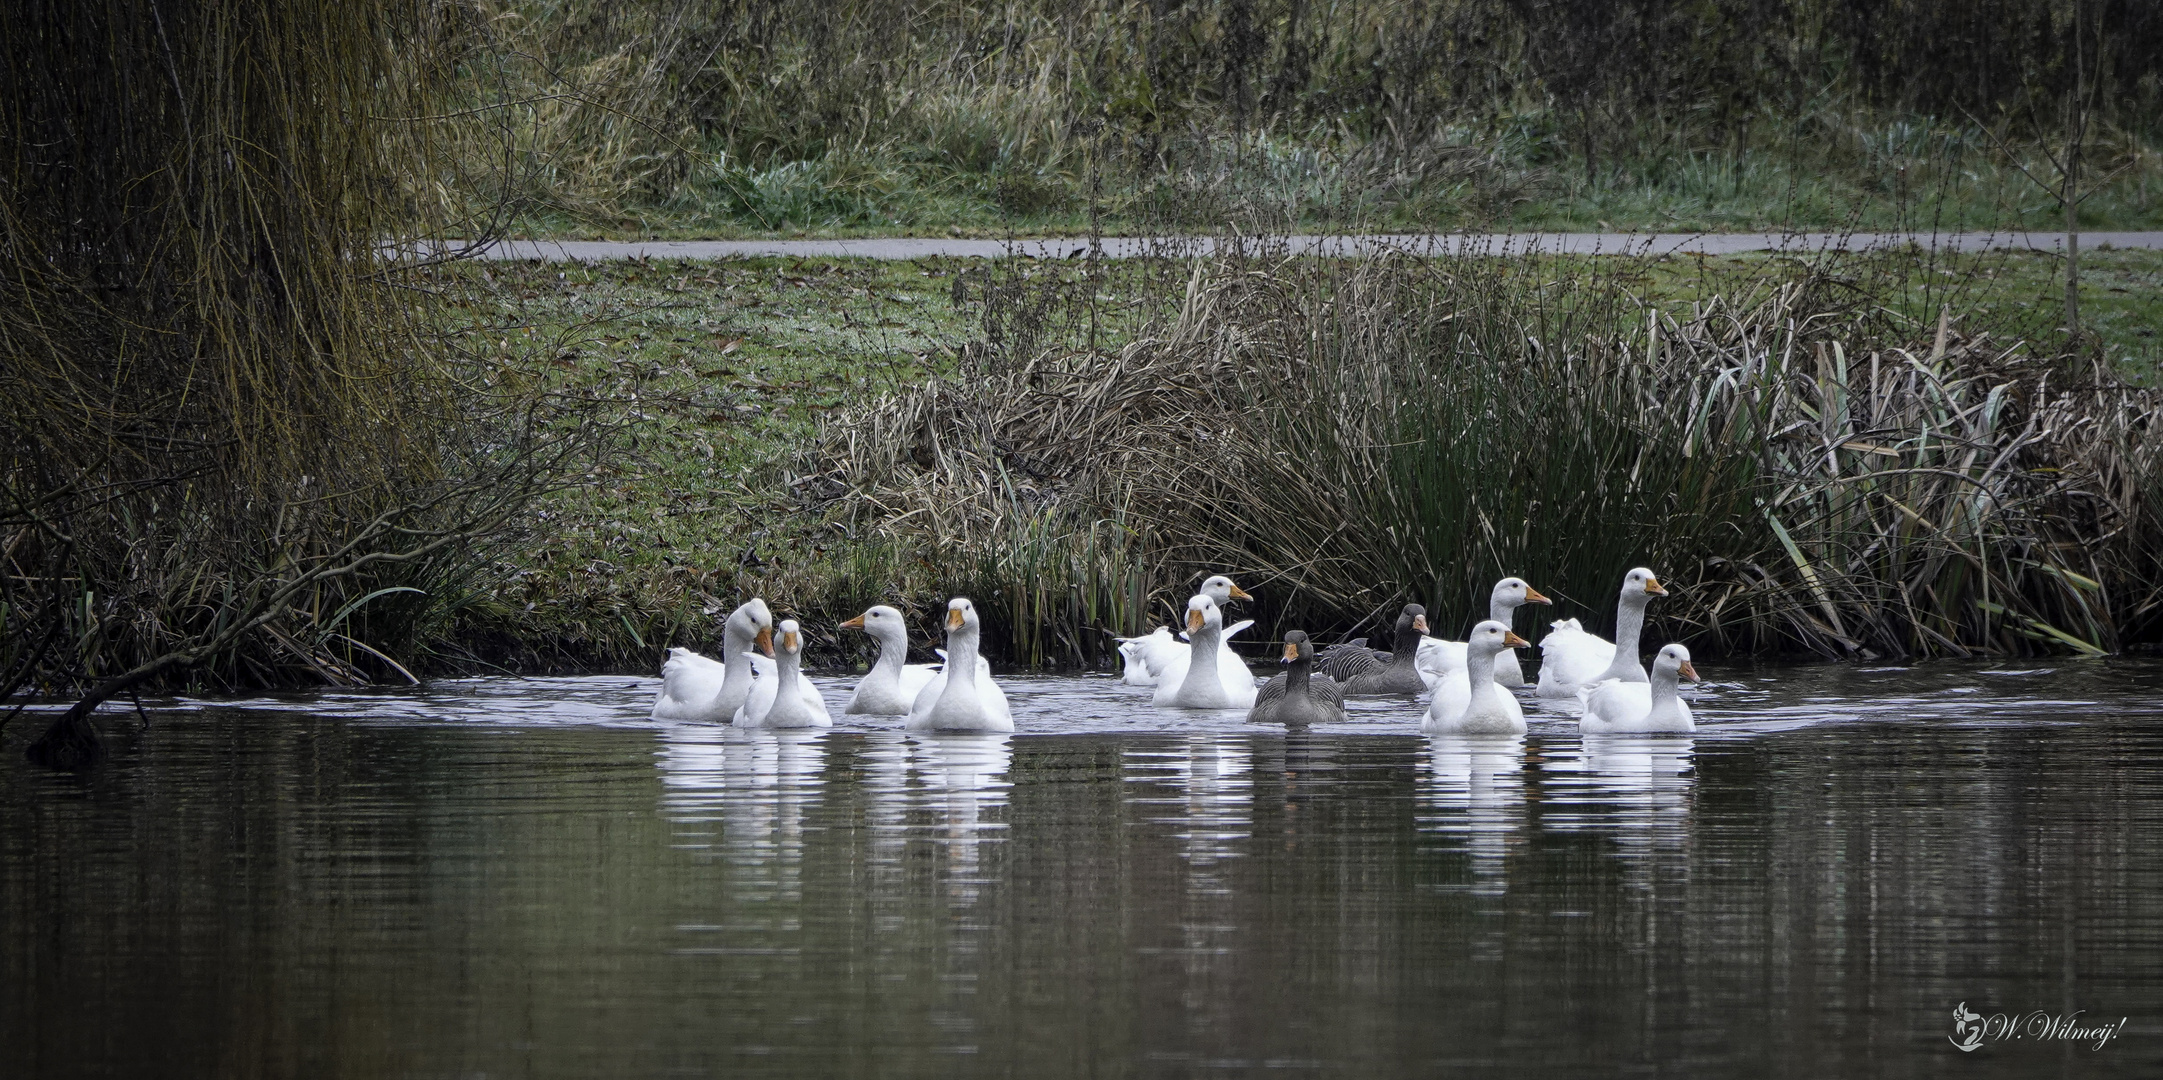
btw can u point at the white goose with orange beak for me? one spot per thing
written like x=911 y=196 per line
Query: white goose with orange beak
x=787 y=699
x=1621 y=707
x=962 y=696
x=1438 y=657
x=1205 y=680
x=892 y=684
x=1572 y=659
x=697 y=688
x=1468 y=702
x=1147 y=657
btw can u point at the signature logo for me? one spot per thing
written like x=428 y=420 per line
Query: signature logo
x=1971 y=1029
x=1967 y=1028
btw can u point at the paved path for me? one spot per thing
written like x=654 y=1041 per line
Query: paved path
x=1126 y=247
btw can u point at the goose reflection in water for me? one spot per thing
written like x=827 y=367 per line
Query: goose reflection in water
x=1219 y=779
x=1213 y=778
x=965 y=776
x=756 y=785
x=1476 y=783
x=1638 y=787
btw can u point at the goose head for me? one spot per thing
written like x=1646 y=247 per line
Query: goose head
x=1639 y=586
x=1203 y=612
x=1413 y=619
x=1491 y=637
x=1674 y=660
x=1516 y=592
x=961 y=617
x=1297 y=646
x=790 y=642
x=751 y=624
x=880 y=621
x=1221 y=590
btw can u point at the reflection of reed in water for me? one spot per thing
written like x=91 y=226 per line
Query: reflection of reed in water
x=1475 y=788
x=755 y=784
x=1637 y=786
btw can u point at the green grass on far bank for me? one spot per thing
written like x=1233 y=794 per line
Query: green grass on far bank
x=1911 y=175
x=726 y=369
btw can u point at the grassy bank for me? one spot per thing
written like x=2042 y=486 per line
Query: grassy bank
x=779 y=408
x=918 y=116
x=1893 y=173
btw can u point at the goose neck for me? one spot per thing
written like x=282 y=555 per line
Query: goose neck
x=893 y=654
x=1296 y=676
x=1479 y=668
x=1629 y=625
x=1501 y=611
x=735 y=656
x=1203 y=642
x=1407 y=651
x=1666 y=684
x=961 y=657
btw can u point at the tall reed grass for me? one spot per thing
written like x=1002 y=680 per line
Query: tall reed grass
x=1808 y=469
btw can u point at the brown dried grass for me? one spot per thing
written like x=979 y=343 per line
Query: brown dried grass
x=1353 y=433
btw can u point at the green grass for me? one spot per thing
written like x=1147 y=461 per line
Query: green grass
x=726 y=369
x=722 y=370
x=1899 y=178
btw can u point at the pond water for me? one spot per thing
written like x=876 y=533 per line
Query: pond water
x=527 y=878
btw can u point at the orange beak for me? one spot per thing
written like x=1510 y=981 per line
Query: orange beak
x=1194 y=620
x=953 y=618
x=1510 y=638
x=791 y=642
x=1240 y=594
x=1532 y=596
x=765 y=640
x=1291 y=652
x=856 y=623
x=1689 y=672
x=1419 y=623
x=1652 y=585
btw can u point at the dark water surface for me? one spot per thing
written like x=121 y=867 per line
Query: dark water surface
x=527 y=878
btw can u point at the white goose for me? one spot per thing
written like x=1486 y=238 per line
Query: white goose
x=1572 y=659
x=786 y=699
x=1625 y=707
x=1159 y=650
x=1438 y=657
x=892 y=684
x=962 y=696
x=1134 y=654
x=1468 y=702
x=1203 y=678
x=694 y=687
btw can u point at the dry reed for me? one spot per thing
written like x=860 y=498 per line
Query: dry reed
x=1353 y=433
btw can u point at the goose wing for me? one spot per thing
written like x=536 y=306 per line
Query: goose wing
x=1346 y=661
x=1328 y=690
